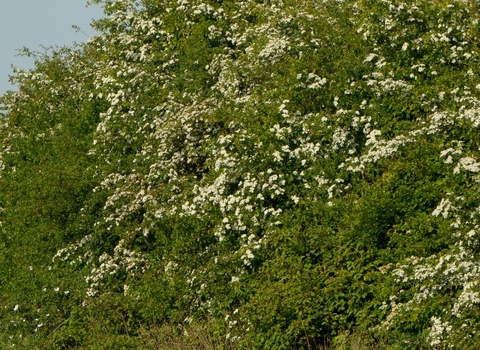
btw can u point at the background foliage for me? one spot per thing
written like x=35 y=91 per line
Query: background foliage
x=249 y=175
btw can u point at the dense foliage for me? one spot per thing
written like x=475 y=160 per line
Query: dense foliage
x=247 y=174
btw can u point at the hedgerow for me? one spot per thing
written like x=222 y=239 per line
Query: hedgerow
x=246 y=174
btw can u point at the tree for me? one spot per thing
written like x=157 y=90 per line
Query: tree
x=256 y=174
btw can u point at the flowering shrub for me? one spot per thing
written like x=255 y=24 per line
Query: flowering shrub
x=289 y=174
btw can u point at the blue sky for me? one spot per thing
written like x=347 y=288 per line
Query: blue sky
x=32 y=23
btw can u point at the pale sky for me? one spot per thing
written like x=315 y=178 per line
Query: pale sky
x=32 y=23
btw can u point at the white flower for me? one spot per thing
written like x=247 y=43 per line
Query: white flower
x=467 y=163
x=370 y=57
x=371 y=137
x=277 y=156
x=443 y=208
